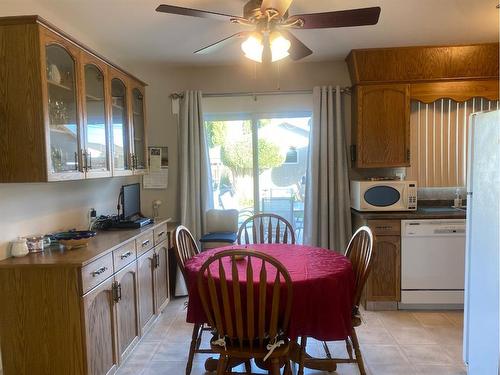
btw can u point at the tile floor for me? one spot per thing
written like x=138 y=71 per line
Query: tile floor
x=393 y=343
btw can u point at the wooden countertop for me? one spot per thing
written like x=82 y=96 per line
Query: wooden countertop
x=102 y=244
x=419 y=214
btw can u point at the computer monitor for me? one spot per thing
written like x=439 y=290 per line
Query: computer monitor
x=131 y=200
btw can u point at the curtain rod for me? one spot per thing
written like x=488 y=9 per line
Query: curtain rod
x=175 y=95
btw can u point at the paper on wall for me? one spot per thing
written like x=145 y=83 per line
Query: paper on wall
x=156 y=179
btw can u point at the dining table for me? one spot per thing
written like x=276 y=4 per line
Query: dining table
x=323 y=291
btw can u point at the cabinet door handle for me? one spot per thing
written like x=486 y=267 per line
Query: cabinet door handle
x=161 y=233
x=99 y=271
x=126 y=255
x=145 y=243
x=76 y=161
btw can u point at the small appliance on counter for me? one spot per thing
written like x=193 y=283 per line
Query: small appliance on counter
x=383 y=195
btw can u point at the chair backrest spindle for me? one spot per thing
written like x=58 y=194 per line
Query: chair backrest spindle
x=264 y=231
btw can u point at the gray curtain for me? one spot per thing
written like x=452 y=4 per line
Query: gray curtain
x=196 y=195
x=327 y=213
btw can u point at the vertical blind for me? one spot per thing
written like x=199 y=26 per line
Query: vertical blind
x=439 y=140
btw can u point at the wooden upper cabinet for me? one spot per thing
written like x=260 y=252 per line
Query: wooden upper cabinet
x=138 y=128
x=59 y=112
x=96 y=144
x=120 y=124
x=381 y=126
x=60 y=63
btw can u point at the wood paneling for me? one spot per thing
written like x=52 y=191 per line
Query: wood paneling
x=381 y=126
x=458 y=91
x=98 y=310
x=40 y=321
x=145 y=269
x=423 y=63
x=127 y=310
x=22 y=135
x=161 y=277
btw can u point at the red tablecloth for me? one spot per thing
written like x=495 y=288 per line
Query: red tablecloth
x=323 y=288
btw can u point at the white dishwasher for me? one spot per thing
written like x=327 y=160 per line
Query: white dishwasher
x=432 y=264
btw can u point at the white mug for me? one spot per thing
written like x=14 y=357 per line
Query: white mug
x=19 y=247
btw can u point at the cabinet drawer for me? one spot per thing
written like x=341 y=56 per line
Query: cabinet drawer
x=124 y=255
x=385 y=227
x=96 y=272
x=144 y=242
x=160 y=233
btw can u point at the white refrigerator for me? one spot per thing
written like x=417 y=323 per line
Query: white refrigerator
x=482 y=285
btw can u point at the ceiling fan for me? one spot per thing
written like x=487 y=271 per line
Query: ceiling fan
x=270 y=39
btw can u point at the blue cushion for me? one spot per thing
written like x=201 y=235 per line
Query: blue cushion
x=228 y=237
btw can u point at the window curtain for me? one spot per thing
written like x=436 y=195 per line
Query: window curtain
x=196 y=195
x=327 y=213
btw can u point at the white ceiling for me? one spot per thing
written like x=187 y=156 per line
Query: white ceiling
x=133 y=31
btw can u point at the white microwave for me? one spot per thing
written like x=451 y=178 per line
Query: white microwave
x=394 y=195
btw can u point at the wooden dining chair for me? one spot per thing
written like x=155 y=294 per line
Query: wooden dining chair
x=266 y=228
x=185 y=248
x=250 y=314
x=359 y=251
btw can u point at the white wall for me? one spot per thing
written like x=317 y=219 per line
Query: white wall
x=243 y=77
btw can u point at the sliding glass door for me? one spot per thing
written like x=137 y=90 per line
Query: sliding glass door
x=258 y=163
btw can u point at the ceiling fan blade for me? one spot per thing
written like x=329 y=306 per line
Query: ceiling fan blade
x=298 y=50
x=172 y=9
x=222 y=43
x=280 y=5
x=341 y=18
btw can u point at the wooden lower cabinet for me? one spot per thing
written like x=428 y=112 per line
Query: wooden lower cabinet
x=384 y=283
x=383 y=286
x=63 y=317
x=146 y=275
x=100 y=338
x=127 y=309
x=161 y=276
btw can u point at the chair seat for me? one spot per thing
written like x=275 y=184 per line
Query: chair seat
x=227 y=237
x=256 y=352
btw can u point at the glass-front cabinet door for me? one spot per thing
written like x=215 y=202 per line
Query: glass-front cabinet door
x=138 y=130
x=96 y=153
x=63 y=117
x=122 y=160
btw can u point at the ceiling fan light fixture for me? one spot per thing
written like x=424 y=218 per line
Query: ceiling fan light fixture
x=279 y=46
x=253 y=47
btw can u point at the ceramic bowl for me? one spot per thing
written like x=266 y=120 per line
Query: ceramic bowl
x=74 y=239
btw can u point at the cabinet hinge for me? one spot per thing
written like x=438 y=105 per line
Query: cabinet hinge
x=408 y=155
x=353 y=153
x=116 y=291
